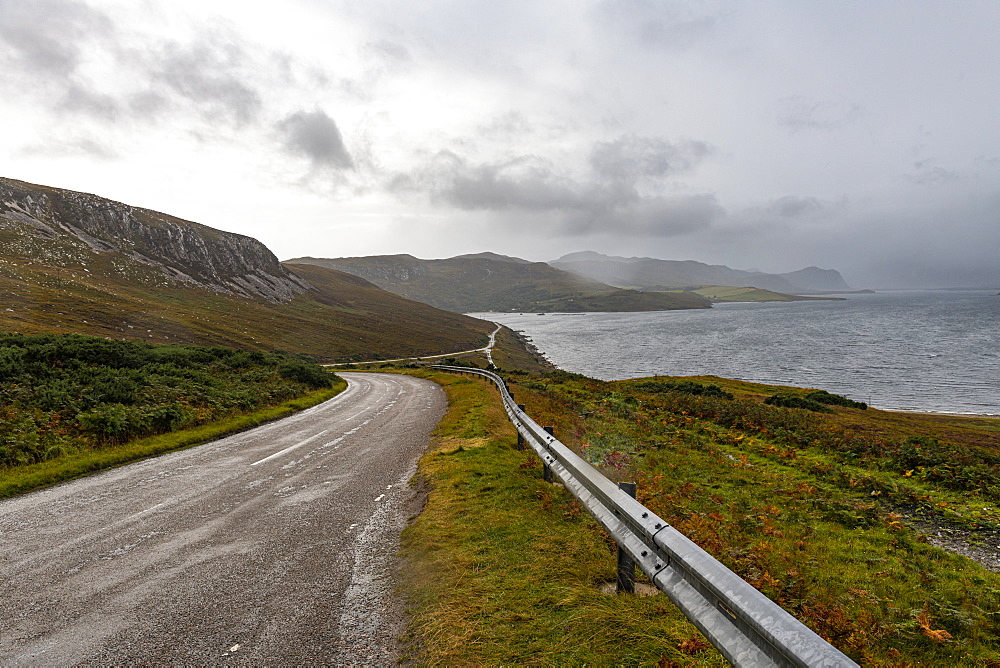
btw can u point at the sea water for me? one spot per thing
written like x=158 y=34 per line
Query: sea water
x=935 y=351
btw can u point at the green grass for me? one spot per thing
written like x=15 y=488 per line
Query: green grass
x=505 y=569
x=21 y=479
x=723 y=293
x=510 y=353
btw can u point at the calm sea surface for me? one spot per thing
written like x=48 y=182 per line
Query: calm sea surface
x=933 y=351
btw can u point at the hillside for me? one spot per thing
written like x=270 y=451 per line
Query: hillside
x=724 y=293
x=72 y=262
x=488 y=282
x=651 y=273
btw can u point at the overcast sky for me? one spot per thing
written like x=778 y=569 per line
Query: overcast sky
x=862 y=136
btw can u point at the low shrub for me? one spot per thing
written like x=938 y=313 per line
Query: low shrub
x=65 y=392
x=824 y=397
x=792 y=401
x=308 y=374
x=684 y=387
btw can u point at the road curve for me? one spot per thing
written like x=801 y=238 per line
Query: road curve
x=271 y=546
x=488 y=349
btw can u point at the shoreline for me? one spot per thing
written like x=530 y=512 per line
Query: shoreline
x=928 y=413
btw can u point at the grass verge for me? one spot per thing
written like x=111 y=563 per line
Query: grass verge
x=504 y=568
x=21 y=479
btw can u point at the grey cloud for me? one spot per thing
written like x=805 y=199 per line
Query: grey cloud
x=92 y=103
x=388 y=51
x=925 y=173
x=656 y=24
x=314 y=135
x=525 y=183
x=488 y=188
x=147 y=104
x=652 y=217
x=508 y=125
x=529 y=185
x=71 y=148
x=631 y=158
x=799 y=113
x=794 y=207
x=215 y=76
x=209 y=73
x=45 y=36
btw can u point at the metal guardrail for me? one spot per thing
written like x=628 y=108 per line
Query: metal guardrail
x=746 y=627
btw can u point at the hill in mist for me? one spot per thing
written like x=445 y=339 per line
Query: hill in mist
x=652 y=274
x=491 y=282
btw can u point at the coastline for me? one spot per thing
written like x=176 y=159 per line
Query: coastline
x=927 y=413
x=912 y=352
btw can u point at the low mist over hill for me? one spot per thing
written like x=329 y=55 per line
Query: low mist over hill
x=650 y=273
x=490 y=282
x=73 y=262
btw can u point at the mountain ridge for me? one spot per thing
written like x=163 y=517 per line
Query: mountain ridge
x=183 y=250
x=74 y=262
x=652 y=273
x=482 y=284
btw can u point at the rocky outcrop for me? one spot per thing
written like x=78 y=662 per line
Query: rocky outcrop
x=814 y=278
x=182 y=250
x=379 y=269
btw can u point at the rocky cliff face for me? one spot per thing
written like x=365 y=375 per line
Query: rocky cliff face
x=182 y=250
x=379 y=269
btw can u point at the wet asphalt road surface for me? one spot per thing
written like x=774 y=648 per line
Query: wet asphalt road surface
x=274 y=546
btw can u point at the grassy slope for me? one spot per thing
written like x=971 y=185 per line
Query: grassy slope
x=47 y=290
x=722 y=293
x=513 y=352
x=474 y=284
x=506 y=568
x=961 y=430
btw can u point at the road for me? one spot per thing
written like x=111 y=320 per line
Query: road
x=488 y=349
x=276 y=545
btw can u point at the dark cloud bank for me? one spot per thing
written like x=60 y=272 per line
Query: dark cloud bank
x=625 y=191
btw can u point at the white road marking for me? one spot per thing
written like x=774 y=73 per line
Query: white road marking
x=290 y=448
x=379 y=498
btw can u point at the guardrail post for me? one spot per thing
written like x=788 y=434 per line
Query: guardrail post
x=520 y=439
x=547 y=474
x=625 y=582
